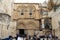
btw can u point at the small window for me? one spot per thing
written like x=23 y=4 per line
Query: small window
x=30 y=13
x=22 y=13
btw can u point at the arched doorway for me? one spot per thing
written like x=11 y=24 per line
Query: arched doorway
x=28 y=28
x=21 y=28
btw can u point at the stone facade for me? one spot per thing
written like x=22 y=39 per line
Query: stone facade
x=29 y=20
x=5 y=17
x=26 y=16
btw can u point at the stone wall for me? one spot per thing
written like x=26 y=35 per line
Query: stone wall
x=18 y=7
x=6 y=31
x=4 y=24
x=6 y=6
x=30 y=25
x=55 y=24
x=55 y=21
x=12 y=29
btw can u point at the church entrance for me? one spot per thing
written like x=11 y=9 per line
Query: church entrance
x=21 y=31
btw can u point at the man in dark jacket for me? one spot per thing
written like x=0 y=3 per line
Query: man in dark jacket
x=34 y=38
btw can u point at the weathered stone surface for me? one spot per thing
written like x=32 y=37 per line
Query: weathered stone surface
x=55 y=21
x=29 y=23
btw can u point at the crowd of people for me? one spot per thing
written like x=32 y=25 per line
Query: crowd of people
x=29 y=37
x=21 y=37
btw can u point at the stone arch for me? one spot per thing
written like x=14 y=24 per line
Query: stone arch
x=21 y=25
x=31 y=25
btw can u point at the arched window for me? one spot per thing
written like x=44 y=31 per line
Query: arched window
x=22 y=12
x=30 y=12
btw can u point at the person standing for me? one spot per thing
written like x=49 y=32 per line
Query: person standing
x=10 y=38
x=20 y=38
x=34 y=37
